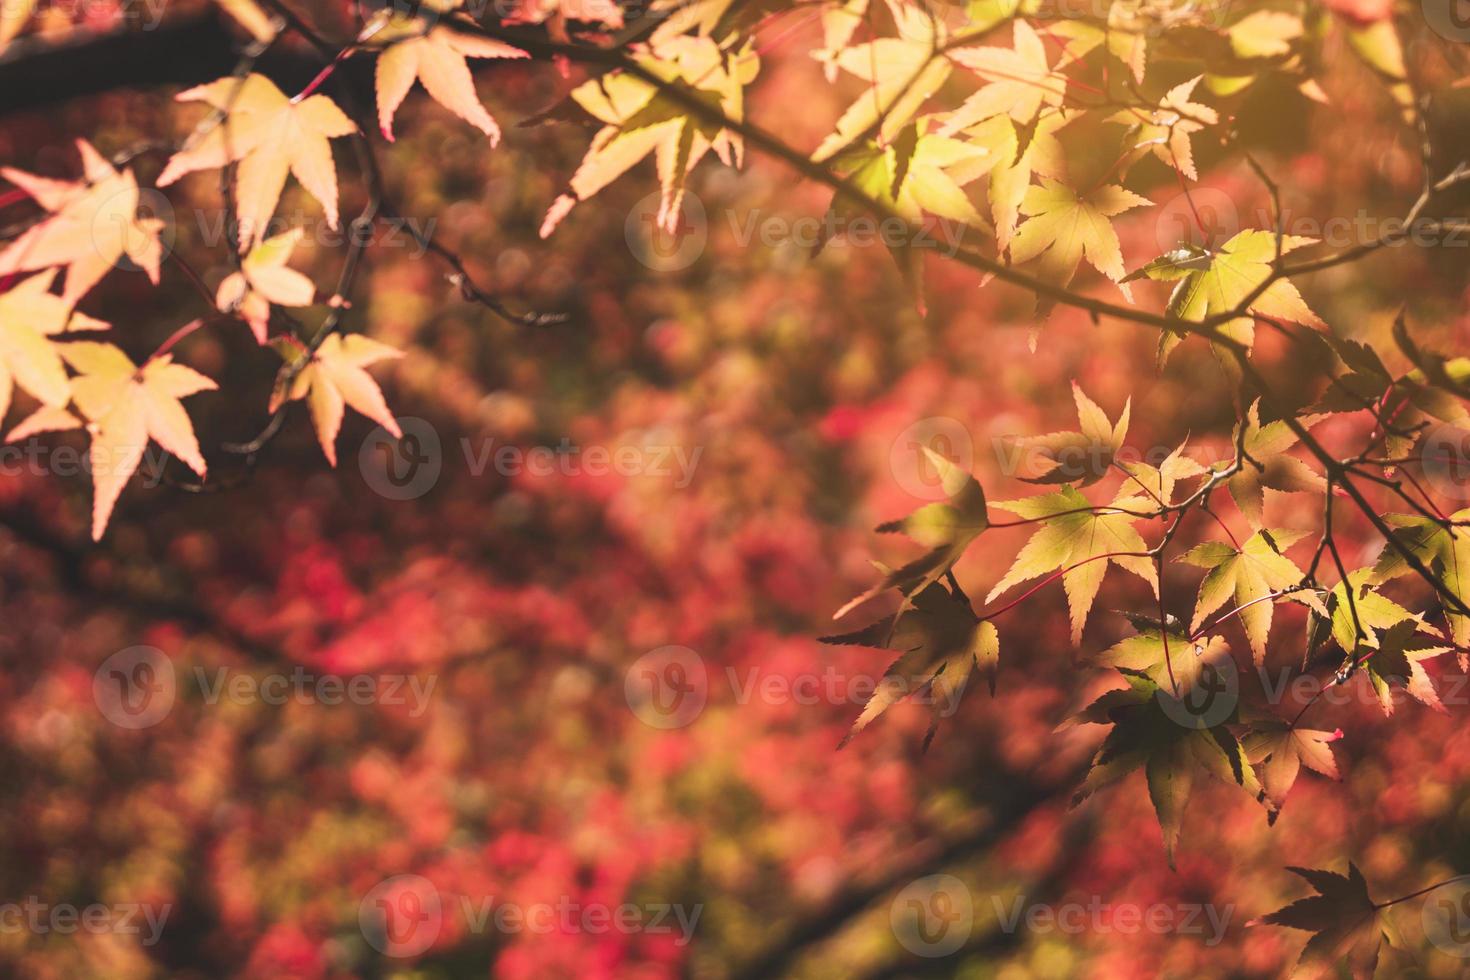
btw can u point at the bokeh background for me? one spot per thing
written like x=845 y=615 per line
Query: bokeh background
x=539 y=769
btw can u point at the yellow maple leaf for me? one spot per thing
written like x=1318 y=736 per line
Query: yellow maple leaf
x=263 y=279
x=1021 y=80
x=94 y=223
x=30 y=314
x=1166 y=131
x=125 y=406
x=333 y=377
x=436 y=58
x=1062 y=228
x=639 y=121
x=270 y=136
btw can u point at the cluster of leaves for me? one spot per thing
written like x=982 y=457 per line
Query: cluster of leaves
x=1059 y=119
x=260 y=137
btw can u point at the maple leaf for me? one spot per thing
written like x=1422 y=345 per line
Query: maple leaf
x=263 y=279
x=1075 y=538
x=902 y=73
x=1080 y=458
x=435 y=56
x=1159 y=482
x=942 y=642
x=840 y=22
x=1216 y=282
x=270 y=136
x=1166 y=130
x=640 y=120
x=1062 y=227
x=917 y=173
x=1173 y=661
x=1264 y=34
x=1267 y=464
x=1012 y=165
x=1020 y=80
x=1144 y=735
x=1348 y=926
x=331 y=377
x=1251 y=576
x=1381 y=636
x=125 y=406
x=1446 y=552
x=1281 y=750
x=946 y=527
x=13 y=15
x=30 y=315
x=93 y=224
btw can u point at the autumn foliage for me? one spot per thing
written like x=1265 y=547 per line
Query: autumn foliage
x=1131 y=457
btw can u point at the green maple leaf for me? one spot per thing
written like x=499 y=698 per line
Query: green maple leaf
x=942 y=642
x=1075 y=538
x=1446 y=552
x=946 y=527
x=1249 y=576
x=1145 y=736
x=1168 y=658
x=915 y=174
x=1215 y=282
x=1348 y=926
x=1388 y=646
x=1268 y=464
